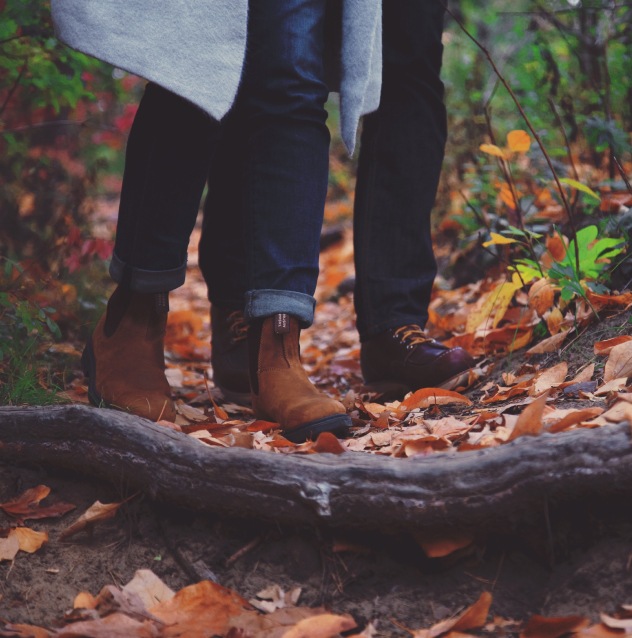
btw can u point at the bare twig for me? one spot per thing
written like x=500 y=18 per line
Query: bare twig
x=525 y=117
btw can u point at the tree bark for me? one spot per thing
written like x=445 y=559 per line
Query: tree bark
x=482 y=488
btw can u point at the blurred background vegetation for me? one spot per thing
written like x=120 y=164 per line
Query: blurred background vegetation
x=64 y=119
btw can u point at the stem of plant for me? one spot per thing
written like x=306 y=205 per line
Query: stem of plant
x=525 y=117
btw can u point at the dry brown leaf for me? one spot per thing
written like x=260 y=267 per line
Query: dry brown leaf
x=604 y=347
x=96 y=513
x=27 y=505
x=29 y=540
x=550 y=344
x=599 y=302
x=149 y=588
x=549 y=378
x=471 y=618
x=25 y=631
x=84 y=600
x=619 y=363
x=321 y=626
x=541 y=627
x=598 y=631
x=439 y=547
x=530 y=419
x=556 y=246
x=575 y=417
x=327 y=443
x=616 y=623
x=116 y=625
x=425 y=397
x=620 y=411
x=554 y=321
x=9 y=547
x=612 y=386
x=200 y=610
x=541 y=296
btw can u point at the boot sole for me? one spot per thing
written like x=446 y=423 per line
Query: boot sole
x=338 y=424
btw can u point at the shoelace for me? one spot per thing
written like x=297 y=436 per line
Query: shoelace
x=237 y=325
x=411 y=335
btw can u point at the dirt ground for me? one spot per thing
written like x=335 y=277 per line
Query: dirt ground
x=576 y=558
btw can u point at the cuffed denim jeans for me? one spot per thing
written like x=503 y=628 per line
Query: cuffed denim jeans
x=401 y=153
x=277 y=194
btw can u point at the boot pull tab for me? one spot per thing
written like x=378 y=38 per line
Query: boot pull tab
x=282 y=323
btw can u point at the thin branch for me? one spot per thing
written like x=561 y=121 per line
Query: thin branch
x=530 y=126
x=13 y=89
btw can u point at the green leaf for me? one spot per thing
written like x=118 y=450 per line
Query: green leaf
x=580 y=187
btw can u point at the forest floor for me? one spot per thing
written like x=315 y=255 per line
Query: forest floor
x=573 y=560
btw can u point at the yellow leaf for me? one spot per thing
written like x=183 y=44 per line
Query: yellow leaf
x=492 y=149
x=508 y=196
x=495 y=305
x=580 y=187
x=29 y=540
x=518 y=141
x=497 y=239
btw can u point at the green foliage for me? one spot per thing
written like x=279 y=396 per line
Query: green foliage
x=25 y=329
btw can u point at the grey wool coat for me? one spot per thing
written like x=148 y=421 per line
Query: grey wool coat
x=196 y=48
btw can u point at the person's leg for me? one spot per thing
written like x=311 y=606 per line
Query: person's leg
x=286 y=154
x=166 y=166
x=223 y=263
x=401 y=152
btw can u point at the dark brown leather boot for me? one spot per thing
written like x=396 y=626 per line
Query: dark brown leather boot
x=124 y=358
x=229 y=354
x=281 y=389
x=404 y=359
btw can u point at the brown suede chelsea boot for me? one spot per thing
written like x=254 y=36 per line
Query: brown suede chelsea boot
x=281 y=389
x=124 y=358
x=404 y=359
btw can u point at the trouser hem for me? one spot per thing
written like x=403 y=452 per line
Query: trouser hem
x=147 y=281
x=264 y=303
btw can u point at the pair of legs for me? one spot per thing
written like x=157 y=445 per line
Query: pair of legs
x=278 y=190
x=401 y=152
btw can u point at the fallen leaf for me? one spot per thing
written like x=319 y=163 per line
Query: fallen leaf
x=619 y=363
x=327 y=443
x=149 y=588
x=321 y=626
x=616 y=623
x=116 y=625
x=574 y=418
x=27 y=505
x=96 y=513
x=25 y=631
x=84 y=600
x=612 y=386
x=29 y=540
x=541 y=296
x=473 y=617
x=620 y=411
x=199 y=611
x=549 y=378
x=604 y=347
x=530 y=419
x=425 y=397
x=443 y=546
x=9 y=547
x=541 y=627
x=550 y=344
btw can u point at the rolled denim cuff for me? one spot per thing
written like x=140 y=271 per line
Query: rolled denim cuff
x=265 y=303
x=148 y=281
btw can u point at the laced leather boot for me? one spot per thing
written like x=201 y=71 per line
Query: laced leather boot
x=281 y=389
x=404 y=359
x=124 y=358
x=229 y=354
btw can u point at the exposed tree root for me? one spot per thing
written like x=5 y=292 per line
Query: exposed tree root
x=483 y=488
